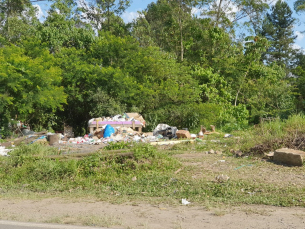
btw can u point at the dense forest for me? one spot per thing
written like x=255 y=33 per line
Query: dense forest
x=169 y=64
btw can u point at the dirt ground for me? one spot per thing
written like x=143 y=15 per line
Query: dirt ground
x=150 y=216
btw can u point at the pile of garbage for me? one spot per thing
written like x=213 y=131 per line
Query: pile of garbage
x=126 y=117
x=107 y=134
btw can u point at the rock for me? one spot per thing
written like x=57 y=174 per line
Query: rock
x=183 y=134
x=238 y=153
x=222 y=178
x=211 y=151
x=289 y=156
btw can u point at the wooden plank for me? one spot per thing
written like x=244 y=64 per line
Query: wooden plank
x=171 y=142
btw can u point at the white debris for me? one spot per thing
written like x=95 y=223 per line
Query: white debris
x=3 y=151
x=185 y=202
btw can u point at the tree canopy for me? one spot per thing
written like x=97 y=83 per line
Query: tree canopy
x=169 y=64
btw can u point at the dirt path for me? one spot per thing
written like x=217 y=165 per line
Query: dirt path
x=148 y=216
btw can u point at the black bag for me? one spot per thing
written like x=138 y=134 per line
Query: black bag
x=169 y=132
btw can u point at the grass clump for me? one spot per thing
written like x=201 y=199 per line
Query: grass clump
x=43 y=174
x=269 y=136
x=118 y=145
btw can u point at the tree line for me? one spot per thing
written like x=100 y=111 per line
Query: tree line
x=169 y=64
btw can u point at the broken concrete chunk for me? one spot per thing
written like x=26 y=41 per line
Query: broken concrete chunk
x=183 y=134
x=289 y=156
x=222 y=178
x=211 y=151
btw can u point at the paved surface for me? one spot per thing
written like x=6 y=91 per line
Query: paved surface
x=19 y=225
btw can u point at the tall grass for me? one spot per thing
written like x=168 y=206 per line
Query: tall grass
x=41 y=173
x=269 y=136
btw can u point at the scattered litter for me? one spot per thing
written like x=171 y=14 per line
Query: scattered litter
x=41 y=137
x=185 y=202
x=222 y=160
x=242 y=166
x=228 y=135
x=194 y=136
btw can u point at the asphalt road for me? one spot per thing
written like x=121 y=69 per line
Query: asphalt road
x=20 y=225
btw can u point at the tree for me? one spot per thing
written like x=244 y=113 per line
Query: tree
x=231 y=13
x=104 y=15
x=63 y=28
x=17 y=19
x=278 y=29
x=29 y=84
x=299 y=6
x=167 y=23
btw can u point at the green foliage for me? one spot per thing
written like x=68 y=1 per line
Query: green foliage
x=214 y=88
x=29 y=86
x=277 y=28
x=117 y=145
x=62 y=28
x=234 y=118
x=104 y=15
x=299 y=5
x=18 y=20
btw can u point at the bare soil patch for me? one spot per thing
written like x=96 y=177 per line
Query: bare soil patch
x=95 y=213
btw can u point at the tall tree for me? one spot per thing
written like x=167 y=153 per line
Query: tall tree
x=231 y=13
x=167 y=23
x=278 y=29
x=104 y=15
x=63 y=28
x=17 y=19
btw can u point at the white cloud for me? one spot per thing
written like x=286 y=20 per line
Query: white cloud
x=39 y=12
x=195 y=11
x=299 y=34
x=129 y=16
x=296 y=46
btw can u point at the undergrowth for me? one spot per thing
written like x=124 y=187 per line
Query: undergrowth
x=269 y=136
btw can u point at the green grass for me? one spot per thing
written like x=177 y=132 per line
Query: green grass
x=28 y=173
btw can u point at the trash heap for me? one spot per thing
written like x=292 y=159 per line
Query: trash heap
x=107 y=134
x=120 y=118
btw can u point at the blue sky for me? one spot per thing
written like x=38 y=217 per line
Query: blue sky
x=139 y=5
